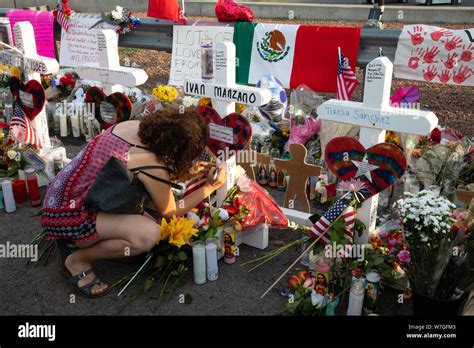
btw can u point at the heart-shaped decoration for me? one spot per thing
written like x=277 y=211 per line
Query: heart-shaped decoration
x=378 y=167
x=117 y=104
x=30 y=96
x=233 y=131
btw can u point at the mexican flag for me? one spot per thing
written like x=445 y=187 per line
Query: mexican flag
x=295 y=54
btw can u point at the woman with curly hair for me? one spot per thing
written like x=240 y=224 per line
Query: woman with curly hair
x=167 y=141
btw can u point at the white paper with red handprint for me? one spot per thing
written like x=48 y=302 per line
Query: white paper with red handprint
x=435 y=54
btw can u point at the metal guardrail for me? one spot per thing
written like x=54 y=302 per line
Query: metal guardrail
x=157 y=34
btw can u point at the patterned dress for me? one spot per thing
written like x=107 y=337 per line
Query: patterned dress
x=65 y=216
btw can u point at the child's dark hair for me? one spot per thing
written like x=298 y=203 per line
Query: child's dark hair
x=177 y=139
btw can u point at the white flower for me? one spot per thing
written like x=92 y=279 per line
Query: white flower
x=117 y=13
x=192 y=216
x=18 y=157
x=189 y=101
x=11 y=154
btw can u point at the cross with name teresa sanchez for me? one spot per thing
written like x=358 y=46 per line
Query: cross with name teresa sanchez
x=375 y=116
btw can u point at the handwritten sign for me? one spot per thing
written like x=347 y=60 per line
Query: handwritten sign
x=186 y=58
x=79 y=45
x=43 y=27
x=221 y=133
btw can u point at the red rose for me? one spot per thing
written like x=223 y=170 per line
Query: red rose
x=293 y=282
x=394 y=265
x=231 y=209
x=356 y=272
x=435 y=135
x=303 y=275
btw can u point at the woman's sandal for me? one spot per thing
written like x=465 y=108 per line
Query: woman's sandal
x=86 y=290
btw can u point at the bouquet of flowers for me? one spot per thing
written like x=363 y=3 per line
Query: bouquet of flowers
x=439 y=159
x=388 y=253
x=123 y=19
x=427 y=222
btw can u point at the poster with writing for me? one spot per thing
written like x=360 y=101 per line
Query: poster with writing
x=434 y=54
x=43 y=26
x=186 y=57
x=79 y=44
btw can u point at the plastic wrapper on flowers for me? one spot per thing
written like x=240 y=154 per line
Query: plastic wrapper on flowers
x=229 y=11
x=262 y=207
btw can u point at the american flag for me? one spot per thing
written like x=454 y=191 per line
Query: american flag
x=21 y=128
x=63 y=20
x=346 y=79
x=341 y=207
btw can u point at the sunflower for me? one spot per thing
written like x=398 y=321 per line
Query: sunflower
x=178 y=231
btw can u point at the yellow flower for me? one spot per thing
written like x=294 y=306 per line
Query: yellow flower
x=205 y=101
x=178 y=231
x=15 y=72
x=165 y=93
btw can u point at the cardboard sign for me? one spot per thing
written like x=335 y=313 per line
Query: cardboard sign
x=43 y=27
x=79 y=45
x=186 y=58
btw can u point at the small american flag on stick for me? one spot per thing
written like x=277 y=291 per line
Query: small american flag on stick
x=346 y=78
x=21 y=129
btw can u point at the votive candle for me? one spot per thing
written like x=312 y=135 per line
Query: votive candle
x=199 y=262
x=19 y=191
x=10 y=205
x=211 y=259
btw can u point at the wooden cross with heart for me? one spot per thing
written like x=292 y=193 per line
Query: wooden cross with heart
x=113 y=77
x=31 y=95
x=375 y=116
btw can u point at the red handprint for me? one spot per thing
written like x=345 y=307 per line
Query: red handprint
x=438 y=34
x=430 y=74
x=415 y=58
x=466 y=55
x=430 y=55
x=451 y=61
x=417 y=36
x=445 y=76
x=462 y=75
x=455 y=42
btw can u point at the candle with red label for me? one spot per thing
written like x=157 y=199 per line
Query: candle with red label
x=33 y=188
x=19 y=191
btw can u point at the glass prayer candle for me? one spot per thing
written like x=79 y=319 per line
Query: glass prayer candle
x=19 y=191
x=356 y=298
x=211 y=259
x=33 y=188
x=7 y=190
x=199 y=262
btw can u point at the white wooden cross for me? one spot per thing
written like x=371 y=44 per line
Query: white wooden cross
x=224 y=93
x=375 y=116
x=108 y=70
x=34 y=66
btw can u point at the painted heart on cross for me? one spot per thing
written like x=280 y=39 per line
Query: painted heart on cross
x=117 y=104
x=30 y=96
x=378 y=167
x=233 y=131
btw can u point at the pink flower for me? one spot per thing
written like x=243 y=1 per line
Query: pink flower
x=404 y=256
x=382 y=234
x=392 y=250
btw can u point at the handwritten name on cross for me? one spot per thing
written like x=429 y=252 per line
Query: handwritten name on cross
x=375 y=116
x=224 y=93
x=34 y=66
x=108 y=70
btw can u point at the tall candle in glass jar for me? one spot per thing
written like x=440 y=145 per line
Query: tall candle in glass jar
x=199 y=262
x=356 y=298
x=7 y=189
x=211 y=259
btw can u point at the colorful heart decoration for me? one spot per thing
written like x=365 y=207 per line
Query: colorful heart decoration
x=30 y=96
x=242 y=130
x=122 y=105
x=378 y=167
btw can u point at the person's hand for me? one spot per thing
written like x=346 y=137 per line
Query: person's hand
x=221 y=178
